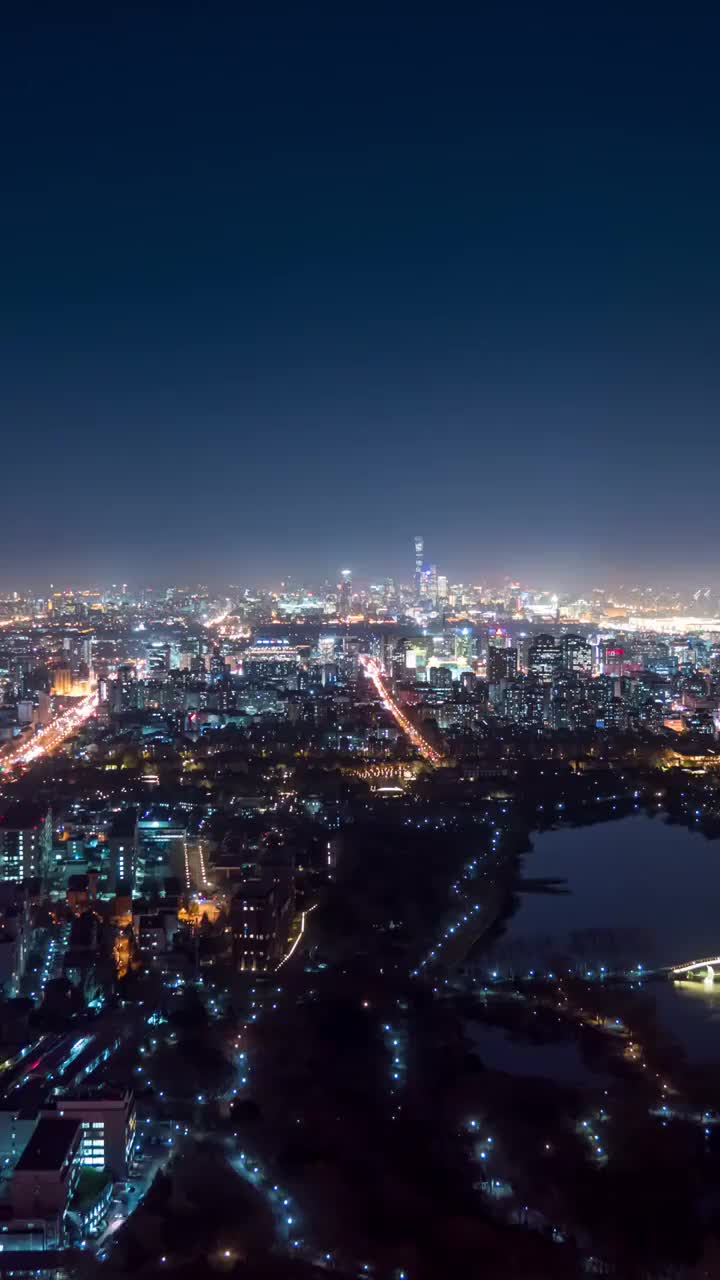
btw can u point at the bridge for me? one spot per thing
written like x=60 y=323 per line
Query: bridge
x=372 y=670
x=711 y=965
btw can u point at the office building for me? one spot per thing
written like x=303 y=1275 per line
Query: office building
x=108 y=1126
x=613 y=658
x=123 y=693
x=276 y=661
x=122 y=845
x=419 y=544
x=440 y=677
x=345 y=593
x=544 y=658
x=502 y=664
x=428 y=582
x=158 y=659
x=577 y=655
x=62 y=680
x=161 y=839
x=464 y=646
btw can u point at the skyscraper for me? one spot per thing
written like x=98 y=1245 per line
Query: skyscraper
x=345 y=592
x=502 y=664
x=576 y=654
x=543 y=658
x=524 y=703
x=419 y=553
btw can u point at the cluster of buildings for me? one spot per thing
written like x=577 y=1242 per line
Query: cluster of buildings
x=63 y=1157
x=191 y=818
x=488 y=678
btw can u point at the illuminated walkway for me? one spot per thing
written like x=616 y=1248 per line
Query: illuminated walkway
x=372 y=671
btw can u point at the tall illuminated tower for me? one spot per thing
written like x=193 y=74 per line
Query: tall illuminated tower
x=419 y=553
x=345 y=592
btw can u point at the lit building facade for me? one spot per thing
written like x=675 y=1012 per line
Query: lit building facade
x=25 y=843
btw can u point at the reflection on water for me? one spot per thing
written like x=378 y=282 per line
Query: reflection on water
x=637 y=886
x=691 y=1011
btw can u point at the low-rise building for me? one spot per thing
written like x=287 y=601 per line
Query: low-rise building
x=108 y=1122
x=260 y=918
x=44 y=1178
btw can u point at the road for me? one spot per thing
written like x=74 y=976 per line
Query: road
x=196 y=855
x=372 y=670
x=47 y=740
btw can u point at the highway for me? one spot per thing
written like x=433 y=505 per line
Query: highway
x=48 y=739
x=372 y=670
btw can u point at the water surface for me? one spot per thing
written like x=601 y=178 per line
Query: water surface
x=637 y=874
x=640 y=891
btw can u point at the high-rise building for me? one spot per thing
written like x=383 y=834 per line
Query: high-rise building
x=217 y=665
x=419 y=553
x=123 y=693
x=544 y=658
x=432 y=582
x=464 y=646
x=610 y=713
x=345 y=593
x=524 y=703
x=63 y=680
x=122 y=844
x=25 y=842
x=613 y=658
x=577 y=655
x=440 y=677
x=158 y=659
x=502 y=664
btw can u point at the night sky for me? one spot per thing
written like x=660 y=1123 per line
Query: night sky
x=285 y=285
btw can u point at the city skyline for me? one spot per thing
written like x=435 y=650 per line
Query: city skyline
x=359 y=642
x=279 y=304
x=330 y=580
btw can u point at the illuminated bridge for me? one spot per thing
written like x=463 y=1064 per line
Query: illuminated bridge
x=372 y=670
x=711 y=965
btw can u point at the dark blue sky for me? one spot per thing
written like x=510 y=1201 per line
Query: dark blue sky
x=283 y=285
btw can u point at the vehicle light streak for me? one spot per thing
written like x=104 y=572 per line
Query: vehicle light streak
x=52 y=736
x=372 y=671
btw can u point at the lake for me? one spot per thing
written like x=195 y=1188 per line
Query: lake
x=638 y=891
x=635 y=875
